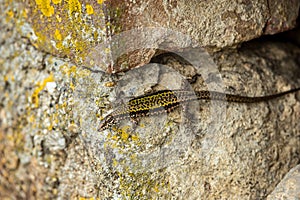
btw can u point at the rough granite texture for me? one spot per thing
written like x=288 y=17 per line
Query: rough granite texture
x=289 y=187
x=74 y=29
x=50 y=109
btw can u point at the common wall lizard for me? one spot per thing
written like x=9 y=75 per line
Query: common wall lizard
x=167 y=100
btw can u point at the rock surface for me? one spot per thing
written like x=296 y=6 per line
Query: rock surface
x=50 y=110
x=74 y=29
x=289 y=186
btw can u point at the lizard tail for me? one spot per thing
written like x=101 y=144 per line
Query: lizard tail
x=212 y=95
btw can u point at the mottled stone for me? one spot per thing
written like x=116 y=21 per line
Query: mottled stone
x=282 y=16
x=289 y=186
x=74 y=29
x=50 y=108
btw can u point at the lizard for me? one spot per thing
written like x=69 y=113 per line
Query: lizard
x=167 y=100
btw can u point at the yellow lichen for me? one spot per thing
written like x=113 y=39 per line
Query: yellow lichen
x=53 y=120
x=56 y=1
x=156 y=188
x=88 y=198
x=40 y=87
x=74 y=6
x=9 y=14
x=134 y=138
x=58 y=18
x=31 y=118
x=73 y=69
x=80 y=46
x=5 y=78
x=50 y=127
x=57 y=35
x=107 y=50
x=114 y=137
x=115 y=162
x=100 y=1
x=42 y=38
x=24 y=13
x=124 y=135
x=59 y=45
x=110 y=84
x=89 y=9
x=72 y=86
x=68 y=70
x=45 y=7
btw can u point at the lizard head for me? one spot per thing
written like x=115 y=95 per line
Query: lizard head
x=107 y=122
